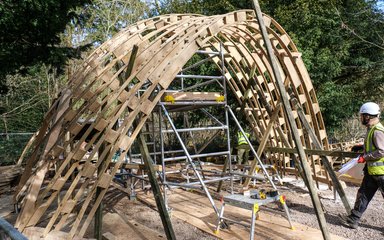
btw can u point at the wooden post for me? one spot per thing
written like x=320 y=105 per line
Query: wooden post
x=132 y=59
x=165 y=219
x=268 y=108
x=292 y=123
x=327 y=164
x=263 y=142
x=226 y=162
x=97 y=231
x=98 y=218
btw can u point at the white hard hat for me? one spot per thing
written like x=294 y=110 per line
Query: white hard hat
x=370 y=108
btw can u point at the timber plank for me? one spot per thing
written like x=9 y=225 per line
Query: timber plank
x=193 y=96
x=196 y=210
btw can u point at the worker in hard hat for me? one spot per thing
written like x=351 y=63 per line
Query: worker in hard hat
x=373 y=157
x=242 y=148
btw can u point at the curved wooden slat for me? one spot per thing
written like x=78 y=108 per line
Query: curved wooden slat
x=104 y=91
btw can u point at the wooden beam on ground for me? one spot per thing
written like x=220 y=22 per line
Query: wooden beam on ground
x=168 y=229
x=292 y=123
x=199 y=214
x=108 y=236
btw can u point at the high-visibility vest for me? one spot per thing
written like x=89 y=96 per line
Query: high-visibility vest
x=241 y=139
x=375 y=167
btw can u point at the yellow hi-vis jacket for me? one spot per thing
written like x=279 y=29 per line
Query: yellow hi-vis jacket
x=374 y=167
x=241 y=139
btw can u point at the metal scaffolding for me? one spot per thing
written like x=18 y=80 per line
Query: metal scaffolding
x=161 y=125
x=190 y=157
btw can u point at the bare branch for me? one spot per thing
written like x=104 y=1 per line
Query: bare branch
x=351 y=30
x=24 y=106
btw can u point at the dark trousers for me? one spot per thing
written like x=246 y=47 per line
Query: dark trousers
x=366 y=192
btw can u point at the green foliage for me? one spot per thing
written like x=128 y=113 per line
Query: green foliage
x=32 y=33
x=22 y=108
x=11 y=148
x=337 y=103
x=101 y=19
x=29 y=34
x=342 y=48
x=204 y=7
x=341 y=42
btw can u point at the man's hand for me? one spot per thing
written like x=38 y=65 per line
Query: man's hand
x=358 y=148
x=361 y=159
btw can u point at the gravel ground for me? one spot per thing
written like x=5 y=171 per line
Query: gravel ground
x=302 y=211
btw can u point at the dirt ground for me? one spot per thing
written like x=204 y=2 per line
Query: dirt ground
x=298 y=201
x=301 y=211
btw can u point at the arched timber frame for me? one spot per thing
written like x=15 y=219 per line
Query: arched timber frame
x=148 y=55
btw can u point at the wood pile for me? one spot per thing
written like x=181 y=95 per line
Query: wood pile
x=8 y=174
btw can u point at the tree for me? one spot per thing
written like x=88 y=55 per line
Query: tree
x=341 y=41
x=44 y=36
x=29 y=34
x=28 y=98
x=342 y=47
x=23 y=107
x=101 y=19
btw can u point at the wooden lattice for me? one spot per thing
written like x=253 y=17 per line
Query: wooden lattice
x=148 y=55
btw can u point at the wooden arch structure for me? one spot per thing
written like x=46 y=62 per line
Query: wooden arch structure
x=148 y=55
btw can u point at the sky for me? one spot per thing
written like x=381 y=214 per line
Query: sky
x=380 y=3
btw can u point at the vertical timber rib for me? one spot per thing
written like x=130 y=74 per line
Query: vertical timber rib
x=104 y=91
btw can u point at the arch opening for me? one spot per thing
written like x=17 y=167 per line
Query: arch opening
x=113 y=94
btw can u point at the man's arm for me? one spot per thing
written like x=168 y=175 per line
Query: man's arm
x=378 y=141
